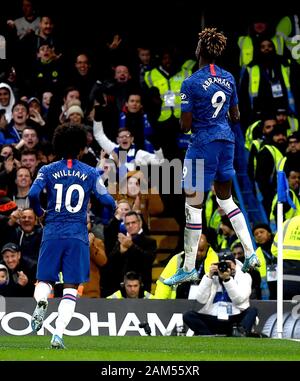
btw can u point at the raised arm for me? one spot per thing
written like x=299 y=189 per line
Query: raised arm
x=101 y=138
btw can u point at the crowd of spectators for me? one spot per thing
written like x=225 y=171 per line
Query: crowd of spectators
x=117 y=91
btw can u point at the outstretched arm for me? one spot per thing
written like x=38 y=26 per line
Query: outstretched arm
x=102 y=139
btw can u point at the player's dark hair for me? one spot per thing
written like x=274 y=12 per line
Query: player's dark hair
x=69 y=140
x=211 y=44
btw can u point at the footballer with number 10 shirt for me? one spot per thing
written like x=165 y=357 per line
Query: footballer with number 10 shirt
x=65 y=245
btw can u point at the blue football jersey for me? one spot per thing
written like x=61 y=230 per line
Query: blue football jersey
x=208 y=94
x=68 y=185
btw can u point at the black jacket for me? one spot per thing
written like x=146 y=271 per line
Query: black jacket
x=13 y=289
x=139 y=258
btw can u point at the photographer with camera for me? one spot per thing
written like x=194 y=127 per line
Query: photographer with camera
x=225 y=292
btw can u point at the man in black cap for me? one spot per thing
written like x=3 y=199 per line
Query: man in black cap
x=287 y=119
x=21 y=280
x=268 y=262
x=293 y=143
x=225 y=291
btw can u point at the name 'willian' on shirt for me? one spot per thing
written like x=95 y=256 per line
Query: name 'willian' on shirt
x=64 y=173
x=220 y=81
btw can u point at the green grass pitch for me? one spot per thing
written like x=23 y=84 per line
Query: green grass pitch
x=141 y=348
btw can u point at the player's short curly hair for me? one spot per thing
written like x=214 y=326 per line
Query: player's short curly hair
x=68 y=140
x=211 y=44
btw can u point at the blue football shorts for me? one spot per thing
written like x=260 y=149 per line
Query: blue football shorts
x=216 y=164
x=69 y=256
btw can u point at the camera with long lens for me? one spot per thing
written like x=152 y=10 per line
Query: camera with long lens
x=223 y=266
x=146 y=327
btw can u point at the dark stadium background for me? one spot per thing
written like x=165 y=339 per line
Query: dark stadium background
x=85 y=22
